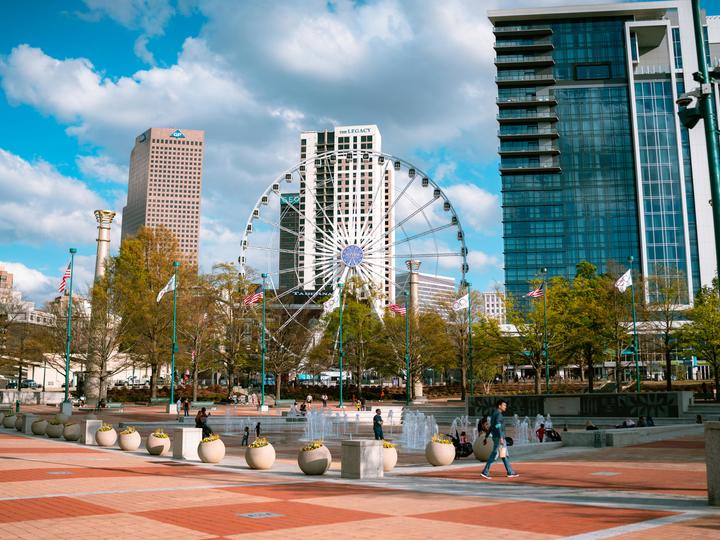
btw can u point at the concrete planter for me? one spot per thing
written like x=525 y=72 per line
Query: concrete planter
x=72 y=432
x=260 y=458
x=482 y=451
x=157 y=446
x=2 y=417
x=439 y=454
x=9 y=421
x=390 y=457
x=212 y=452
x=129 y=442
x=18 y=422
x=62 y=417
x=39 y=426
x=315 y=462
x=54 y=431
x=106 y=438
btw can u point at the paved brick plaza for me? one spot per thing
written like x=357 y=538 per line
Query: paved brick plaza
x=55 y=489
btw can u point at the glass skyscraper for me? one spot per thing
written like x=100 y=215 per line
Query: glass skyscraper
x=595 y=165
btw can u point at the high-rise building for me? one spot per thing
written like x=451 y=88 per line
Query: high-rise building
x=491 y=305
x=595 y=164
x=289 y=229
x=345 y=196
x=433 y=290
x=164 y=186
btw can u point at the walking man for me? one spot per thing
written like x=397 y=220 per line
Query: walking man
x=497 y=431
x=377 y=426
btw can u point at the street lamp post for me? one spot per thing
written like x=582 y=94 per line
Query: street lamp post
x=470 y=344
x=545 y=336
x=263 y=346
x=407 y=349
x=176 y=265
x=66 y=404
x=340 y=343
x=705 y=109
x=636 y=352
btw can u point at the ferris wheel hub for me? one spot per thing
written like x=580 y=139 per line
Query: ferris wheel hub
x=352 y=255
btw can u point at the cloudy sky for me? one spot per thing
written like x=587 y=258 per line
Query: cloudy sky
x=79 y=79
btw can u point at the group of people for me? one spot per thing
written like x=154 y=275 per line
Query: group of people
x=182 y=405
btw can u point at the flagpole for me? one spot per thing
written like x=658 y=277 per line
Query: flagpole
x=263 y=347
x=176 y=264
x=636 y=352
x=407 y=351
x=545 y=343
x=470 y=344
x=73 y=251
x=340 y=350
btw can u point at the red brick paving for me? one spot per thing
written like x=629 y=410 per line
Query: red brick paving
x=549 y=518
x=306 y=490
x=672 y=444
x=48 y=508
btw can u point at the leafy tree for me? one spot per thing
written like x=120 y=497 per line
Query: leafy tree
x=284 y=347
x=487 y=360
x=702 y=333
x=54 y=336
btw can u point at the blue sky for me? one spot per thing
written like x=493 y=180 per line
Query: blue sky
x=80 y=79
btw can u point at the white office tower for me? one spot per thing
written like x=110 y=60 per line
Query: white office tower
x=351 y=194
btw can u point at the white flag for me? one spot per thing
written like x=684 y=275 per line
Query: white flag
x=461 y=303
x=333 y=302
x=624 y=281
x=167 y=288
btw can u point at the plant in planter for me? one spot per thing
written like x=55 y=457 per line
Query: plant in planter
x=314 y=458
x=260 y=454
x=106 y=435
x=129 y=440
x=9 y=420
x=38 y=427
x=211 y=449
x=440 y=451
x=55 y=429
x=72 y=431
x=158 y=443
x=390 y=456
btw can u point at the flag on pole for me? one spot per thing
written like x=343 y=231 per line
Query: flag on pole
x=537 y=293
x=255 y=297
x=170 y=286
x=332 y=303
x=397 y=308
x=624 y=281
x=461 y=303
x=64 y=279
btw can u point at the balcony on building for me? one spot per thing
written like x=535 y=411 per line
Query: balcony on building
x=507 y=80
x=528 y=134
x=524 y=60
x=512 y=116
x=528 y=150
x=525 y=46
x=539 y=165
x=523 y=30
x=510 y=102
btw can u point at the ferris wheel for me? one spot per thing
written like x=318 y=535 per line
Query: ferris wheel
x=348 y=215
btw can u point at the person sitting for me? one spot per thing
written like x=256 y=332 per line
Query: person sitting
x=540 y=432
x=303 y=408
x=649 y=421
x=589 y=426
x=201 y=422
x=641 y=422
x=463 y=438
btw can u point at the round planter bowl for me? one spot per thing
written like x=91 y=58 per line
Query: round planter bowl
x=390 y=457
x=480 y=450
x=19 y=422
x=315 y=462
x=260 y=458
x=157 y=446
x=2 y=417
x=54 y=431
x=129 y=442
x=39 y=426
x=9 y=421
x=72 y=432
x=62 y=417
x=91 y=416
x=212 y=452
x=106 y=438
x=439 y=454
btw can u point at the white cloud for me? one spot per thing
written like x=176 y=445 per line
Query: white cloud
x=477 y=208
x=141 y=50
x=102 y=168
x=39 y=204
x=30 y=282
x=480 y=261
x=150 y=16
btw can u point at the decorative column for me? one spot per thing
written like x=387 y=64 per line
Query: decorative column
x=413 y=284
x=104 y=219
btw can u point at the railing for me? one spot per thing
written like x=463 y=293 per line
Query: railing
x=505 y=115
x=532 y=77
x=522 y=27
x=522 y=59
x=529 y=148
x=652 y=70
x=527 y=133
x=522 y=43
x=526 y=99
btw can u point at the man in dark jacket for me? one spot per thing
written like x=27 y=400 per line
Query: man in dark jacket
x=497 y=432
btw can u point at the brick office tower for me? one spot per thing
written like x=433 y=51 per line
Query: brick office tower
x=164 y=186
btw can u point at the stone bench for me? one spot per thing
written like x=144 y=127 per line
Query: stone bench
x=185 y=443
x=284 y=402
x=628 y=436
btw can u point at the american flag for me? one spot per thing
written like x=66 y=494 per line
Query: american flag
x=397 y=308
x=255 y=297
x=537 y=293
x=65 y=277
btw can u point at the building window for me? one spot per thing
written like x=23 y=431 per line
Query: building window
x=592 y=71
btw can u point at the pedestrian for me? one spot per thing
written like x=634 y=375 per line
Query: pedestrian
x=497 y=431
x=324 y=399
x=246 y=436
x=257 y=430
x=382 y=394
x=362 y=403
x=377 y=426
x=540 y=432
x=201 y=419
x=308 y=399
x=303 y=408
x=186 y=407
x=178 y=407
x=650 y=422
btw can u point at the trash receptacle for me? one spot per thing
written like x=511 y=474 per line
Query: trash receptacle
x=17 y=405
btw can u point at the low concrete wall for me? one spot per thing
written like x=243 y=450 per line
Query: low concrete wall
x=592 y=439
x=712 y=460
x=628 y=436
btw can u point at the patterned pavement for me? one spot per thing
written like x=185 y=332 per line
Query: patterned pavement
x=54 y=489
